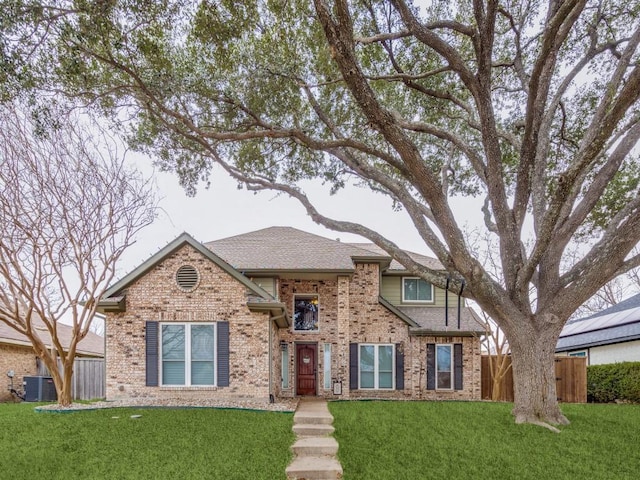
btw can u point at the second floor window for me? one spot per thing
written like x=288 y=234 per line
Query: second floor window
x=416 y=289
x=305 y=313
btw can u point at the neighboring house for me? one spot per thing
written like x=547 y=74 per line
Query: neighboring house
x=17 y=355
x=280 y=313
x=610 y=336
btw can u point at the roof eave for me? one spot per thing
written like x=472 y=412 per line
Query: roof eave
x=422 y=332
x=277 y=271
x=276 y=310
x=599 y=343
x=112 y=305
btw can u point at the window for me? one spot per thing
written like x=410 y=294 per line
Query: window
x=285 y=364
x=416 y=290
x=376 y=366
x=188 y=354
x=581 y=353
x=444 y=363
x=327 y=366
x=305 y=313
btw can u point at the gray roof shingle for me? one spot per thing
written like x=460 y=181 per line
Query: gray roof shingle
x=433 y=318
x=92 y=344
x=286 y=249
x=619 y=323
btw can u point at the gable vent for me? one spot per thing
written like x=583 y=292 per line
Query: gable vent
x=187 y=278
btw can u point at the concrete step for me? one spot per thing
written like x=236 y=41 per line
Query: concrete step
x=313 y=417
x=313 y=430
x=315 y=446
x=314 y=468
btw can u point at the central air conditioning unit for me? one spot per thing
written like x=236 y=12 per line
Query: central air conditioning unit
x=39 y=389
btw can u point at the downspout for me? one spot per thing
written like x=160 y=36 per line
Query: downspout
x=446 y=303
x=459 y=300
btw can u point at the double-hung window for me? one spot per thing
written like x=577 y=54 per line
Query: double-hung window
x=188 y=353
x=444 y=367
x=376 y=366
x=416 y=289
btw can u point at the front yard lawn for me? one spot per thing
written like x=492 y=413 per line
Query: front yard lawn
x=477 y=440
x=165 y=444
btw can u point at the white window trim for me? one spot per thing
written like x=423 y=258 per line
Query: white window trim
x=452 y=372
x=187 y=354
x=433 y=293
x=285 y=359
x=293 y=309
x=326 y=366
x=376 y=371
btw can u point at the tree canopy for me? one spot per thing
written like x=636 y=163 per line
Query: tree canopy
x=532 y=107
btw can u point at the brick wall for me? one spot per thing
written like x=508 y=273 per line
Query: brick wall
x=350 y=312
x=218 y=297
x=20 y=359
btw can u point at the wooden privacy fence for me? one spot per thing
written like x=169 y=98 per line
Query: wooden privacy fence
x=571 y=380
x=88 y=378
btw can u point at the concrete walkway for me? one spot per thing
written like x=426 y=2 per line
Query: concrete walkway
x=315 y=449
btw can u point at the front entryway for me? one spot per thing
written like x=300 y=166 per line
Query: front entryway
x=306 y=362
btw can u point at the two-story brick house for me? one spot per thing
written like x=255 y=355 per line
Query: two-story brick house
x=279 y=313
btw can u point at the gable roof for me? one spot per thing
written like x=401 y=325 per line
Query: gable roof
x=112 y=297
x=91 y=345
x=616 y=324
x=289 y=249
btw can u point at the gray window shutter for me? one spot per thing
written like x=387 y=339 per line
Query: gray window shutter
x=353 y=366
x=399 y=367
x=457 y=366
x=151 y=343
x=431 y=366
x=223 y=354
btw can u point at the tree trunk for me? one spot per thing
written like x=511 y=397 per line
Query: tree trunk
x=62 y=381
x=534 y=379
x=65 y=392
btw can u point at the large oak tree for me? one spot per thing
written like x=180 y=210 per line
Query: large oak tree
x=532 y=107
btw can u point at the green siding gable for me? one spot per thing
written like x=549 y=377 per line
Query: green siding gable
x=391 y=290
x=268 y=284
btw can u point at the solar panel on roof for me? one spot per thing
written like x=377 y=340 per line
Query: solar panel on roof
x=602 y=322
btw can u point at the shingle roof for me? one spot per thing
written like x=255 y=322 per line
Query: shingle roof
x=622 y=333
x=290 y=249
x=619 y=323
x=628 y=304
x=92 y=344
x=286 y=249
x=433 y=318
x=429 y=262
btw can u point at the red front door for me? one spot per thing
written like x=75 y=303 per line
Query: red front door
x=306 y=355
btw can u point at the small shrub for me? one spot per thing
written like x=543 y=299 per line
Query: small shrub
x=617 y=381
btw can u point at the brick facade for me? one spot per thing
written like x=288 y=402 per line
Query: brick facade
x=157 y=297
x=349 y=312
x=22 y=361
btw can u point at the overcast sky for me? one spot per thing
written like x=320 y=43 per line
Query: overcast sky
x=223 y=210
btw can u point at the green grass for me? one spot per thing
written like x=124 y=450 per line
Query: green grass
x=163 y=444
x=459 y=440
